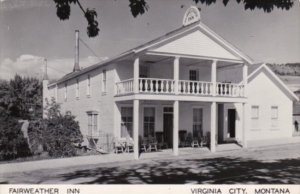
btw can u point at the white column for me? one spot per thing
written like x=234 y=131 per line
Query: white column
x=245 y=78
x=175 y=127
x=213 y=126
x=136 y=104
x=136 y=74
x=214 y=76
x=176 y=74
x=244 y=126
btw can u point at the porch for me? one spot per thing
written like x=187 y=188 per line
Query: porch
x=178 y=125
x=150 y=74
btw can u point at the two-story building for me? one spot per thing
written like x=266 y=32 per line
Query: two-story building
x=188 y=80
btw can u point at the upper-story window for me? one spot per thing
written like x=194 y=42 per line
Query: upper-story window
x=66 y=91
x=88 y=87
x=255 y=116
x=104 y=81
x=144 y=71
x=77 y=88
x=274 y=116
x=194 y=75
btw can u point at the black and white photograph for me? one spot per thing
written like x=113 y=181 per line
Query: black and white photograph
x=202 y=94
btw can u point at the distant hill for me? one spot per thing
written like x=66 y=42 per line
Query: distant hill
x=291 y=69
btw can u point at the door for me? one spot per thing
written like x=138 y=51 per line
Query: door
x=168 y=129
x=231 y=122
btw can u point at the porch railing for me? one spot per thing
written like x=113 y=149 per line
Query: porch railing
x=124 y=87
x=230 y=89
x=195 y=87
x=185 y=87
x=156 y=86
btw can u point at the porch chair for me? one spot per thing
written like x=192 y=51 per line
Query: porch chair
x=182 y=138
x=118 y=146
x=129 y=144
x=143 y=144
x=152 y=144
x=160 y=140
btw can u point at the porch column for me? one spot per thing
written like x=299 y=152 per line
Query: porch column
x=136 y=104
x=244 y=125
x=213 y=126
x=245 y=78
x=214 y=77
x=176 y=74
x=136 y=74
x=175 y=127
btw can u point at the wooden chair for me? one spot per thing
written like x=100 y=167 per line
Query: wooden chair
x=118 y=146
x=144 y=145
x=129 y=145
x=152 y=144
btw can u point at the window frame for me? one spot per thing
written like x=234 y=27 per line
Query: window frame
x=149 y=123
x=126 y=121
x=93 y=129
x=104 y=81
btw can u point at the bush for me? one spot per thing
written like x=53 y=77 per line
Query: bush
x=12 y=142
x=57 y=134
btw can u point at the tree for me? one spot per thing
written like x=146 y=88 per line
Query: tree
x=58 y=134
x=139 y=7
x=21 y=97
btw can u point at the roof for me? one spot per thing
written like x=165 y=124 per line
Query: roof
x=255 y=68
x=161 y=40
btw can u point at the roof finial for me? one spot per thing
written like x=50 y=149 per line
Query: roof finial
x=191 y=15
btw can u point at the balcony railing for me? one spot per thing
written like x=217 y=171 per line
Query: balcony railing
x=156 y=86
x=185 y=87
x=125 y=87
x=230 y=89
x=195 y=87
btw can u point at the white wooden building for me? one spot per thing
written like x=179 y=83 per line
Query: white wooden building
x=189 y=80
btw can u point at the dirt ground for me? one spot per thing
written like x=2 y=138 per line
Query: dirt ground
x=268 y=165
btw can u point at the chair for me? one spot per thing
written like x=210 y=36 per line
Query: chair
x=188 y=140
x=160 y=140
x=182 y=138
x=144 y=144
x=152 y=144
x=129 y=144
x=118 y=146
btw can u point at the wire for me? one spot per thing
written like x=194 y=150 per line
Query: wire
x=85 y=44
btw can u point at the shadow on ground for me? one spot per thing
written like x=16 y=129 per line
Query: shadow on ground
x=209 y=171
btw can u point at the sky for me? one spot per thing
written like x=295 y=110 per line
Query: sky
x=30 y=31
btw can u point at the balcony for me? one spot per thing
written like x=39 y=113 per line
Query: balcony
x=185 y=87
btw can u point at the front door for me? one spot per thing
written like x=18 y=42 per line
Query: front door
x=168 y=126
x=231 y=122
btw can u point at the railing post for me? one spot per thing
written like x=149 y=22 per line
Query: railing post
x=214 y=77
x=176 y=74
x=245 y=78
x=136 y=72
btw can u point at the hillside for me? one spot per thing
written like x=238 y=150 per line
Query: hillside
x=288 y=69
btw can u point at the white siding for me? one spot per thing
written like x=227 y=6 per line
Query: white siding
x=264 y=93
x=197 y=44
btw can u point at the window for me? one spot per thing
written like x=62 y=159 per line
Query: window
x=88 y=88
x=274 y=116
x=92 y=123
x=126 y=123
x=144 y=71
x=66 y=91
x=77 y=88
x=104 y=81
x=194 y=75
x=197 y=123
x=149 y=122
x=255 y=116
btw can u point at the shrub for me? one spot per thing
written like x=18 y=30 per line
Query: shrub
x=12 y=142
x=57 y=134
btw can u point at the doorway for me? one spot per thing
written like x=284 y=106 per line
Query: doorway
x=231 y=122
x=168 y=126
